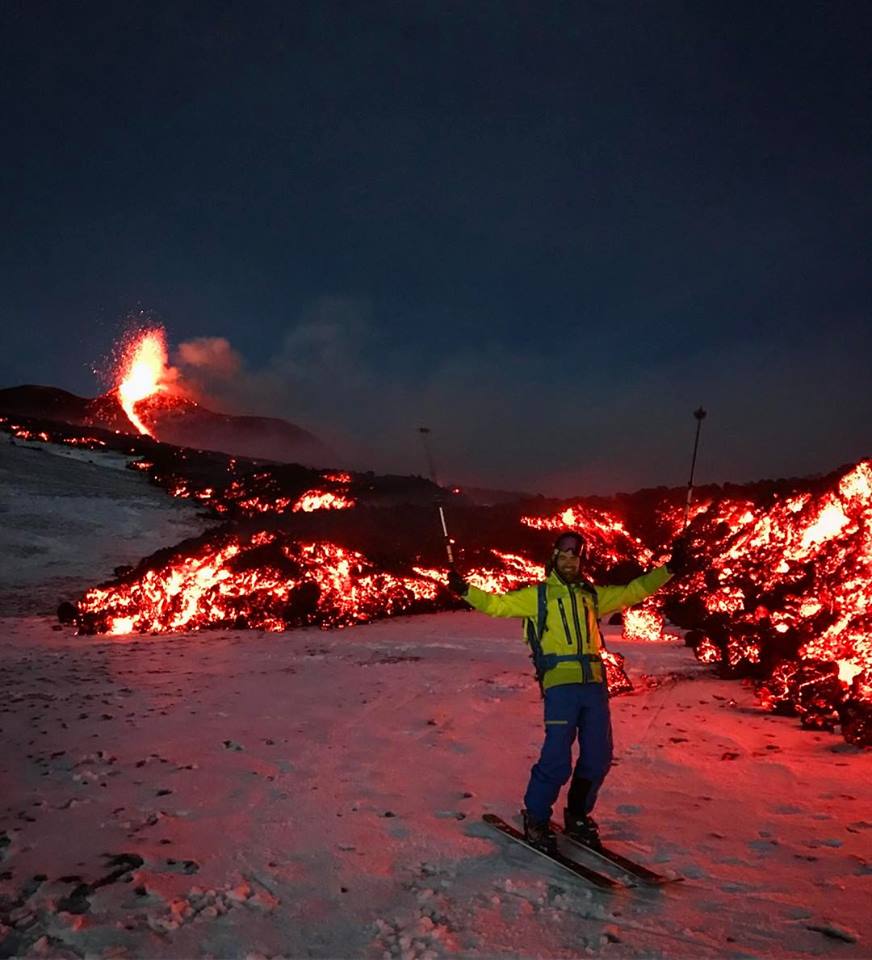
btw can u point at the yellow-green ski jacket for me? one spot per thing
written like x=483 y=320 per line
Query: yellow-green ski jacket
x=571 y=626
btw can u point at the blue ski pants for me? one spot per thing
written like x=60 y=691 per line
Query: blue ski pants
x=571 y=710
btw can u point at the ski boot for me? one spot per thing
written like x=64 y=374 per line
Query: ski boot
x=581 y=828
x=539 y=835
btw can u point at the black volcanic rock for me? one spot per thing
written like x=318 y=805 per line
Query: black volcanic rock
x=173 y=420
x=43 y=403
x=187 y=424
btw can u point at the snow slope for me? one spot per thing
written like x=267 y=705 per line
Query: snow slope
x=319 y=794
x=68 y=517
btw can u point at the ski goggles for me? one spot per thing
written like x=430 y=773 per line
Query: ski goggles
x=570 y=543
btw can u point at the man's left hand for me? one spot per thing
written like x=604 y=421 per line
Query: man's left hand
x=456 y=583
x=678 y=562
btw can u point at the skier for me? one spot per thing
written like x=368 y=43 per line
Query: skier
x=561 y=617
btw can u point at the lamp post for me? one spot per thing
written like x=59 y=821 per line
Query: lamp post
x=700 y=415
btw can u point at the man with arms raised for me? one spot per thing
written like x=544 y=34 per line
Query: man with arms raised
x=562 y=628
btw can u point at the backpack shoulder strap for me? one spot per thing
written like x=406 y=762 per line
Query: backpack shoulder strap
x=590 y=589
x=542 y=609
x=535 y=631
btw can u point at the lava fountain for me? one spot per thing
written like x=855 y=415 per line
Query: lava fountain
x=142 y=370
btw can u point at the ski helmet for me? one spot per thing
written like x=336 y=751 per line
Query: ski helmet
x=569 y=542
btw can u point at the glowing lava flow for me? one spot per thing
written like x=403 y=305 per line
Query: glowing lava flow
x=605 y=533
x=783 y=590
x=269 y=581
x=143 y=366
x=644 y=623
x=266 y=582
x=778 y=588
x=321 y=500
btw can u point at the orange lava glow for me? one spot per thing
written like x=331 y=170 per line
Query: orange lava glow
x=338 y=476
x=645 y=624
x=509 y=573
x=258 y=493
x=142 y=370
x=339 y=586
x=813 y=551
x=321 y=500
x=671 y=517
x=606 y=535
x=708 y=651
x=778 y=587
x=789 y=578
x=21 y=433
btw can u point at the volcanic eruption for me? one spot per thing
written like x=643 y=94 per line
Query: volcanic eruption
x=149 y=398
x=142 y=373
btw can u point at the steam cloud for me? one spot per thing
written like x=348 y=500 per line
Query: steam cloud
x=517 y=419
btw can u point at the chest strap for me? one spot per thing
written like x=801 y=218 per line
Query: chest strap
x=550 y=660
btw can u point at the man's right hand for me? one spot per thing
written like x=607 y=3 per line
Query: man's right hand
x=456 y=583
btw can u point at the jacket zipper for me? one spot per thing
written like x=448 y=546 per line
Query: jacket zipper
x=565 y=621
x=575 y=618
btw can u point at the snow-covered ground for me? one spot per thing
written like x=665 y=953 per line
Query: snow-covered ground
x=234 y=794
x=320 y=794
x=68 y=517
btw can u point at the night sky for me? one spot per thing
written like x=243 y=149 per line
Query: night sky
x=549 y=231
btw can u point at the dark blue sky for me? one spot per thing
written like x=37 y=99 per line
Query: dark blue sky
x=547 y=233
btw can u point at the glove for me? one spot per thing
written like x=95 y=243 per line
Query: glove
x=456 y=583
x=680 y=559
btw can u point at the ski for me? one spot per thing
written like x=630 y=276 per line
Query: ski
x=585 y=873
x=646 y=875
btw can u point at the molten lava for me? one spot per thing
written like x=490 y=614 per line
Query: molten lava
x=782 y=591
x=645 y=623
x=778 y=590
x=603 y=531
x=266 y=582
x=142 y=371
x=313 y=500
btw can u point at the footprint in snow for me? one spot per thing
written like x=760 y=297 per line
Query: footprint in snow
x=181 y=866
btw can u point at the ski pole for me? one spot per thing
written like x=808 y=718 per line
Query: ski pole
x=700 y=416
x=425 y=433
